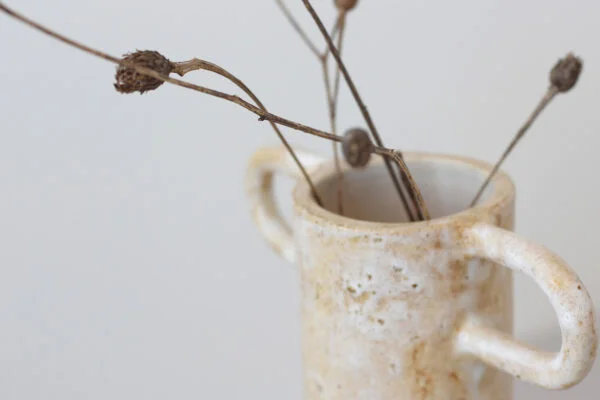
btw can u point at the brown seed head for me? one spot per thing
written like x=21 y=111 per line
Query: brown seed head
x=566 y=72
x=357 y=147
x=129 y=81
x=346 y=5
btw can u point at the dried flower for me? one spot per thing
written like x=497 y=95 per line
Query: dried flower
x=566 y=72
x=130 y=81
x=346 y=5
x=357 y=147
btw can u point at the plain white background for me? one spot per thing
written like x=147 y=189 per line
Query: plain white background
x=129 y=265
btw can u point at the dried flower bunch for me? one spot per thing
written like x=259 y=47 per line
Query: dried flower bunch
x=146 y=70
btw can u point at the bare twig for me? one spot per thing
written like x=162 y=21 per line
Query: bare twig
x=365 y=114
x=182 y=68
x=261 y=113
x=332 y=94
x=335 y=32
x=563 y=77
x=302 y=33
x=399 y=160
x=340 y=44
x=357 y=148
x=332 y=107
x=286 y=11
x=341 y=23
x=546 y=99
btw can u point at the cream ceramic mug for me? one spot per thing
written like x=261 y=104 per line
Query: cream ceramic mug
x=394 y=310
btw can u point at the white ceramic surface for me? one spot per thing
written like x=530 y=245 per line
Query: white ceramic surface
x=396 y=310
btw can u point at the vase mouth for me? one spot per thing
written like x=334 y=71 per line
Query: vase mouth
x=448 y=184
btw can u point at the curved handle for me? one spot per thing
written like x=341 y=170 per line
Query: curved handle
x=567 y=295
x=259 y=189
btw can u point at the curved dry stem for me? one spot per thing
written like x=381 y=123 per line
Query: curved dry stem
x=410 y=182
x=363 y=109
x=262 y=114
x=181 y=68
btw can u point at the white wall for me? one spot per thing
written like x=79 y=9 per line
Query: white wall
x=129 y=265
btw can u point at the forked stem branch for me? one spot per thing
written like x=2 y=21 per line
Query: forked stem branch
x=182 y=68
x=367 y=116
x=185 y=67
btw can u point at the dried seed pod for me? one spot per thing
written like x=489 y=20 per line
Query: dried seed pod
x=129 y=81
x=346 y=5
x=357 y=147
x=566 y=72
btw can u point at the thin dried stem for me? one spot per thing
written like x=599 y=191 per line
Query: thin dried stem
x=302 y=33
x=333 y=112
x=404 y=173
x=332 y=107
x=563 y=77
x=181 y=68
x=340 y=45
x=63 y=39
x=397 y=157
x=262 y=112
x=333 y=127
x=336 y=30
x=546 y=99
x=288 y=14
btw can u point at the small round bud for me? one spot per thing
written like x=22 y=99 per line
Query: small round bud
x=345 y=5
x=357 y=147
x=566 y=72
x=129 y=81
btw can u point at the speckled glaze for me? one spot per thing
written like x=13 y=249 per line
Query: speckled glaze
x=424 y=310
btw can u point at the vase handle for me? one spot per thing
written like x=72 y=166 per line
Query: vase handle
x=568 y=296
x=259 y=188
